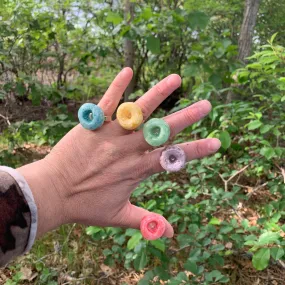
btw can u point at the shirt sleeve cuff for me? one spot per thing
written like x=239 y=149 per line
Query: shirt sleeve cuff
x=30 y=200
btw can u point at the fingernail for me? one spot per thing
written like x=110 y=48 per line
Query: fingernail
x=173 y=81
x=123 y=72
x=214 y=145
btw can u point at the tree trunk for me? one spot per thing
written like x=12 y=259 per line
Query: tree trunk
x=247 y=28
x=129 y=48
x=245 y=36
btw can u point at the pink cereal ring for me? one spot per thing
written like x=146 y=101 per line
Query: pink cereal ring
x=152 y=226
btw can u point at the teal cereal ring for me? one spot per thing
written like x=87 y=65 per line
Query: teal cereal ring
x=91 y=116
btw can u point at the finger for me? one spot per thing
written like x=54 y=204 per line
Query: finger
x=133 y=216
x=193 y=150
x=113 y=95
x=177 y=122
x=157 y=94
x=188 y=116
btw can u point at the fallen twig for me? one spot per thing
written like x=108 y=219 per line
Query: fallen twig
x=282 y=170
x=256 y=189
x=6 y=119
x=226 y=181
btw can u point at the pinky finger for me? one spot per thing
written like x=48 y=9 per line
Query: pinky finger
x=193 y=150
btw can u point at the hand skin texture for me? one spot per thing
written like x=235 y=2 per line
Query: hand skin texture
x=89 y=175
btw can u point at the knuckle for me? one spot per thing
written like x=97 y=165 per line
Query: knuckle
x=117 y=84
x=109 y=149
x=190 y=115
x=144 y=108
x=106 y=104
x=159 y=90
x=198 y=150
x=142 y=170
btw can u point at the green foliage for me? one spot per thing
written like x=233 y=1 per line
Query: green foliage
x=203 y=240
x=49 y=131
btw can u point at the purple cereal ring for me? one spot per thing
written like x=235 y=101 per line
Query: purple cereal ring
x=173 y=158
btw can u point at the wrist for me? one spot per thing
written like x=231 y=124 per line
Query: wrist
x=43 y=185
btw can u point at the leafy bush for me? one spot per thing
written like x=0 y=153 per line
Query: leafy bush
x=49 y=131
x=246 y=167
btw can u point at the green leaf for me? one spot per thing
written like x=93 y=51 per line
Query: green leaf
x=268 y=238
x=191 y=69
x=214 y=221
x=113 y=18
x=174 y=218
x=20 y=88
x=191 y=266
x=267 y=152
x=147 y=277
x=253 y=125
x=277 y=252
x=153 y=44
x=265 y=128
x=251 y=243
x=217 y=260
x=134 y=240
x=214 y=275
x=225 y=139
x=150 y=204
x=184 y=240
x=198 y=19
x=255 y=65
x=159 y=244
x=273 y=37
x=226 y=229
x=181 y=276
x=93 y=230
x=146 y=13
x=217 y=247
x=261 y=258
x=141 y=260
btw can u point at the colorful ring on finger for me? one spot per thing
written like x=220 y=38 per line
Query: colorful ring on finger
x=173 y=158
x=129 y=116
x=91 y=116
x=152 y=226
x=156 y=132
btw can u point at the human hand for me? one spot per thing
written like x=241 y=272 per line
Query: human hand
x=89 y=176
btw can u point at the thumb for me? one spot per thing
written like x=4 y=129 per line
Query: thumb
x=135 y=214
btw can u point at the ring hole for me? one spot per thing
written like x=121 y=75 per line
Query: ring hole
x=126 y=114
x=172 y=158
x=88 y=115
x=155 y=131
x=152 y=226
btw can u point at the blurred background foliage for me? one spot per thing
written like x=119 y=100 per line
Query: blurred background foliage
x=228 y=210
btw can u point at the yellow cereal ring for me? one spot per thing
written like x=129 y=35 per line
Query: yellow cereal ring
x=129 y=115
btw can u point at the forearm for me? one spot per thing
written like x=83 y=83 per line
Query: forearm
x=43 y=186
